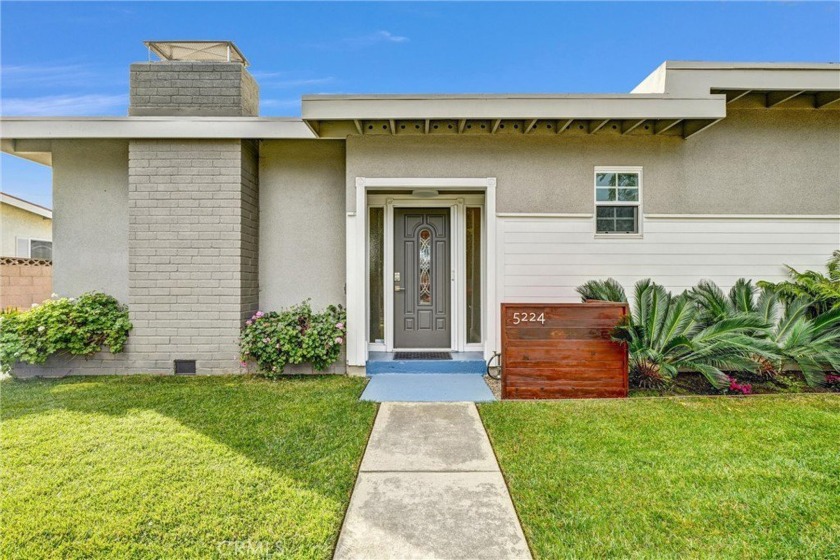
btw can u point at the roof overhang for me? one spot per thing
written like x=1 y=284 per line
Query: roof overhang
x=29 y=137
x=25 y=205
x=337 y=116
x=819 y=82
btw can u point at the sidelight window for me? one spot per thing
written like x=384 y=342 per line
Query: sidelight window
x=376 y=256
x=473 y=274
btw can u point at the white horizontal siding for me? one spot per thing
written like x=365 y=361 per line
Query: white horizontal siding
x=545 y=259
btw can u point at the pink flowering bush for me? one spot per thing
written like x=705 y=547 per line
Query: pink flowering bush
x=294 y=336
x=742 y=388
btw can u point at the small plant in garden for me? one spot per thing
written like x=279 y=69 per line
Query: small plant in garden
x=735 y=387
x=822 y=291
x=294 y=336
x=77 y=326
x=602 y=290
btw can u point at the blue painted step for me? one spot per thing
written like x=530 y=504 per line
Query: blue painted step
x=461 y=363
x=427 y=388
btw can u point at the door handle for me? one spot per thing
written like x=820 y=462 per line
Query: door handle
x=398 y=289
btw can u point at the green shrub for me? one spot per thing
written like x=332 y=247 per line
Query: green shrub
x=822 y=291
x=664 y=335
x=76 y=326
x=704 y=330
x=293 y=336
x=804 y=339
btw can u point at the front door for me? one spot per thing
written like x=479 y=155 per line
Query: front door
x=422 y=292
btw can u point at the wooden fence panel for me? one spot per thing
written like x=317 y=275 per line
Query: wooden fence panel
x=562 y=350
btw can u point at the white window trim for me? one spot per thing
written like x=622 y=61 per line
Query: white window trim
x=29 y=245
x=639 y=213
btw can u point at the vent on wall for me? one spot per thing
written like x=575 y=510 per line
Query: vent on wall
x=184 y=367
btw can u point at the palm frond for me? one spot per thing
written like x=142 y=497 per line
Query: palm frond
x=768 y=306
x=602 y=290
x=711 y=300
x=741 y=296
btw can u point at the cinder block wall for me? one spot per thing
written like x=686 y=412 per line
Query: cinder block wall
x=193 y=263
x=24 y=282
x=175 y=88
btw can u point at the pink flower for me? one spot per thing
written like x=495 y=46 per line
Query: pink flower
x=338 y=340
x=243 y=364
x=249 y=322
x=744 y=389
x=258 y=314
x=339 y=326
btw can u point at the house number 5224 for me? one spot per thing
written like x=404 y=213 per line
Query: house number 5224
x=528 y=318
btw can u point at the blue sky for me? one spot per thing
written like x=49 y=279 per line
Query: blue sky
x=72 y=58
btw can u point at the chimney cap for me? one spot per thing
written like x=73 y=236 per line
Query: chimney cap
x=201 y=51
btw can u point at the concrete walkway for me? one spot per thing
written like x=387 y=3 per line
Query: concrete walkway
x=429 y=487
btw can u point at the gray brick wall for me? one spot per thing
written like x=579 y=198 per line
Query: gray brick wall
x=250 y=226
x=192 y=251
x=192 y=89
x=101 y=363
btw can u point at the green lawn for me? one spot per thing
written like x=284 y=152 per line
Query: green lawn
x=151 y=467
x=716 y=477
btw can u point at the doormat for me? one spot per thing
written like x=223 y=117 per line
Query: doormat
x=422 y=356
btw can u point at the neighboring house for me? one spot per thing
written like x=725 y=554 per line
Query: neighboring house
x=422 y=213
x=25 y=229
x=25 y=252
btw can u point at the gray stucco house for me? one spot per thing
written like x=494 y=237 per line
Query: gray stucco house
x=422 y=213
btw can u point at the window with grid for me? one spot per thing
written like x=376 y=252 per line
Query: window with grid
x=617 y=200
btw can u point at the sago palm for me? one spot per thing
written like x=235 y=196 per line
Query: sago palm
x=803 y=342
x=602 y=290
x=809 y=344
x=664 y=335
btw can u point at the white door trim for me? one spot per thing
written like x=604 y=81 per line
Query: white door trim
x=357 y=257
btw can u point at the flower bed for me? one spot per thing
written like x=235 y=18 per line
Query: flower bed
x=79 y=326
x=295 y=336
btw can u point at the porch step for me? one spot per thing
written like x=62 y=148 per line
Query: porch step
x=466 y=363
x=448 y=387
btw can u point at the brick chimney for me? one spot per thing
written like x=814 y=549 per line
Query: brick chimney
x=194 y=78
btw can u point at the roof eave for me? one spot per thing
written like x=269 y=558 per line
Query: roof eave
x=24 y=128
x=318 y=108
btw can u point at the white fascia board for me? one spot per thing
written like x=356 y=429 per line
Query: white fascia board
x=409 y=107
x=152 y=127
x=25 y=205
x=704 y=65
x=687 y=79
